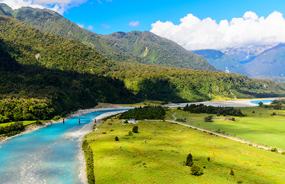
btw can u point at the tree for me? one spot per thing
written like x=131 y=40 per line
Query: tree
x=196 y=170
x=136 y=129
x=232 y=172
x=208 y=119
x=260 y=104
x=189 y=160
x=116 y=138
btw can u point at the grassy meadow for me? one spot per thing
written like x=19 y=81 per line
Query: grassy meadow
x=24 y=123
x=157 y=154
x=260 y=127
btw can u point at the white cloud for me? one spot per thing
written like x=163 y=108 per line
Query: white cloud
x=59 y=6
x=134 y=24
x=105 y=26
x=90 y=27
x=193 y=33
x=80 y=25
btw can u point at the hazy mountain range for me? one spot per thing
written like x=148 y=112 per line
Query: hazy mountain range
x=254 y=61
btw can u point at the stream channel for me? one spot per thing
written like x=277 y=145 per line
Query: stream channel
x=48 y=155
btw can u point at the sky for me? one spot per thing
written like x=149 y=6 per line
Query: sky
x=194 y=24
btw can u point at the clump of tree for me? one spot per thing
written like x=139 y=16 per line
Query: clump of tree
x=116 y=138
x=147 y=112
x=201 y=108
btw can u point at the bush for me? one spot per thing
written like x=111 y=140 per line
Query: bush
x=209 y=159
x=179 y=108
x=233 y=119
x=130 y=133
x=116 y=138
x=260 y=104
x=274 y=150
x=189 y=160
x=273 y=114
x=232 y=172
x=89 y=161
x=136 y=129
x=196 y=170
x=38 y=122
x=208 y=119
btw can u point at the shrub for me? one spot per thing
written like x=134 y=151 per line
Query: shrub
x=273 y=114
x=130 y=133
x=116 y=138
x=179 y=108
x=196 y=170
x=239 y=182
x=218 y=114
x=232 y=172
x=274 y=150
x=38 y=122
x=209 y=159
x=189 y=160
x=136 y=129
x=56 y=118
x=104 y=133
x=208 y=119
x=253 y=111
x=233 y=119
x=89 y=161
x=260 y=104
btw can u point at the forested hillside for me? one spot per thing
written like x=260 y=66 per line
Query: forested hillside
x=53 y=75
x=130 y=48
x=157 y=50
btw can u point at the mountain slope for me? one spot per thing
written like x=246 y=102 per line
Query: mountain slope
x=71 y=75
x=51 y=22
x=157 y=50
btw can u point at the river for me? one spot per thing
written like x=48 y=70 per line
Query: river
x=49 y=155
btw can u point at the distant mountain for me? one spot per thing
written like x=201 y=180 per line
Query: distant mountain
x=252 y=61
x=157 y=50
x=154 y=50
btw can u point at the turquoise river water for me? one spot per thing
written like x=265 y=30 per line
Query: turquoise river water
x=48 y=155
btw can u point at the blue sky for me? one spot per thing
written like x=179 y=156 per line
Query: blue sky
x=117 y=14
x=194 y=24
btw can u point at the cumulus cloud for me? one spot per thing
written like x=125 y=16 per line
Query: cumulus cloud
x=59 y=6
x=193 y=33
x=134 y=24
x=90 y=27
x=105 y=26
x=80 y=25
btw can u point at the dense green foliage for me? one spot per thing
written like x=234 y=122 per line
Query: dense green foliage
x=23 y=109
x=12 y=129
x=201 y=108
x=147 y=112
x=89 y=162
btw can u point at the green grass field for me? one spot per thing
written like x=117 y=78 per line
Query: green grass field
x=24 y=123
x=156 y=155
x=259 y=127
